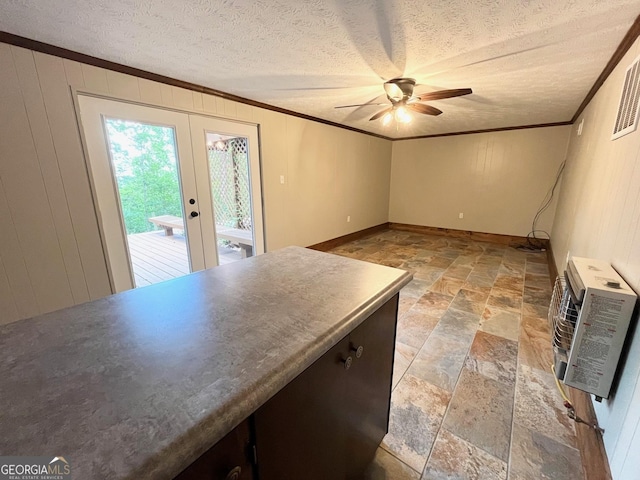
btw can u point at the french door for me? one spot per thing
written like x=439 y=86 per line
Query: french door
x=174 y=192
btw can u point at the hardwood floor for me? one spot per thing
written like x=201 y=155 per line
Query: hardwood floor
x=156 y=257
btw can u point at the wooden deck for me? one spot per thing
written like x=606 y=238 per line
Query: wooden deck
x=156 y=257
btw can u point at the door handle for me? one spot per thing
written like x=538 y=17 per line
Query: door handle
x=194 y=214
x=357 y=350
x=347 y=362
x=234 y=474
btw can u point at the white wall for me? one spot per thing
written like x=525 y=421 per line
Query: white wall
x=598 y=216
x=497 y=180
x=50 y=250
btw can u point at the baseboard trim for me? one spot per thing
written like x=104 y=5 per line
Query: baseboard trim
x=511 y=240
x=350 y=237
x=595 y=465
x=553 y=270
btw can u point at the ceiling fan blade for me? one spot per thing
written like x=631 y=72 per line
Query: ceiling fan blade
x=380 y=113
x=422 y=108
x=361 y=105
x=441 y=94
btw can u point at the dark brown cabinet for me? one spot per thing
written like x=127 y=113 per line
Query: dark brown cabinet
x=325 y=424
x=301 y=432
x=369 y=388
x=229 y=459
x=328 y=422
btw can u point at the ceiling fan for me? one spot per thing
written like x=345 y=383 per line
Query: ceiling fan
x=400 y=93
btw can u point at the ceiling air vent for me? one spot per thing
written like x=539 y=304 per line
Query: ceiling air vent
x=627 y=116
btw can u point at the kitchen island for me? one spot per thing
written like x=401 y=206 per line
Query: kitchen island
x=142 y=383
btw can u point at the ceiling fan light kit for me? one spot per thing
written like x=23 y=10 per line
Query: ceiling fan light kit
x=400 y=115
x=400 y=93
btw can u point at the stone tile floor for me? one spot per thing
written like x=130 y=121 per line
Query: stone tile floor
x=473 y=397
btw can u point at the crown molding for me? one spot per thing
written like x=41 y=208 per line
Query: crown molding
x=11 y=39
x=49 y=49
x=488 y=130
x=622 y=49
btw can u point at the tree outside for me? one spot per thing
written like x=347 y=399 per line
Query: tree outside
x=146 y=169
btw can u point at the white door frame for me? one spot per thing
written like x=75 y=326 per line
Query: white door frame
x=109 y=216
x=200 y=126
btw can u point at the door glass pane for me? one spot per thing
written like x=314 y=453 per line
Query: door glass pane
x=145 y=166
x=230 y=189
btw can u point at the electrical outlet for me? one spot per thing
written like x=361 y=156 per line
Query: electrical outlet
x=348 y=218
x=282 y=179
x=461 y=215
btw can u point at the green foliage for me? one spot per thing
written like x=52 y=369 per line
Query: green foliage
x=145 y=164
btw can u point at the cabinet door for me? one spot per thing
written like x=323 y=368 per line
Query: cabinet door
x=300 y=431
x=369 y=388
x=229 y=459
x=327 y=423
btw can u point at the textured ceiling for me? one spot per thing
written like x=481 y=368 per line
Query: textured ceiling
x=528 y=62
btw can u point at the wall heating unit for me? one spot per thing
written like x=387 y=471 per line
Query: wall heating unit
x=590 y=312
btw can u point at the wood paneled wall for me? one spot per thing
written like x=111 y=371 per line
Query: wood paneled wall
x=51 y=254
x=497 y=180
x=50 y=246
x=598 y=215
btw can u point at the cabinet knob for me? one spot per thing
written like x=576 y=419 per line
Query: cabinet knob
x=347 y=362
x=194 y=214
x=234 y=474
x=358 y=350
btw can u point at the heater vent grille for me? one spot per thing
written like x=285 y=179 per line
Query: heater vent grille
x=627 y=116
x=562 y=316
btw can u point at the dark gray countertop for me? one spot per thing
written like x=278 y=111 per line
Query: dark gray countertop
x=139 y=384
